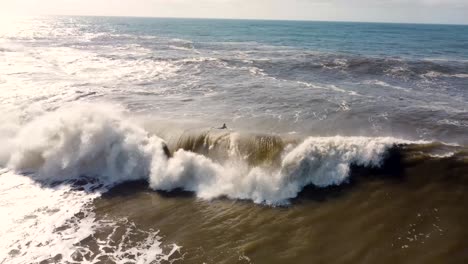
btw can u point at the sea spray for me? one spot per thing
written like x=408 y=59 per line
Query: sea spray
x=84 y=139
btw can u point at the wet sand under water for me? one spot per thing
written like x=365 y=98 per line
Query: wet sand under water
x=413 y=215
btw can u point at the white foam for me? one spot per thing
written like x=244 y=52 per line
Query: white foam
x=460 y=75
x=442 y=155
x=84 y=139
x=42 y=223
x=321 y=161
x=31 y=214
x=328 y=87
x=434 y=74
x=384 y=84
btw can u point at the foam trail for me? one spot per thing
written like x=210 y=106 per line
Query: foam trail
x=101 y=142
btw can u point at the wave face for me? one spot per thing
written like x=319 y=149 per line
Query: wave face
x=101 y=142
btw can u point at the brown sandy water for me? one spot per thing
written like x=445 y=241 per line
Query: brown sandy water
x=413 y=215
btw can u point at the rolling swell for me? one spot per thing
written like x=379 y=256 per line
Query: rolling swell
x=364 y=65
x=103 y=143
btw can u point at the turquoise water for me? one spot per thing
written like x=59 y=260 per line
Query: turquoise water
x=372 y=39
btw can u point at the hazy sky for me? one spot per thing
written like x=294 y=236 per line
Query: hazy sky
x=423 y=11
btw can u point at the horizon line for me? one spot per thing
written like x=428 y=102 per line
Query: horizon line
x=252 y=19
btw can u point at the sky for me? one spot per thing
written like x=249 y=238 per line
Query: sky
x=411 y=11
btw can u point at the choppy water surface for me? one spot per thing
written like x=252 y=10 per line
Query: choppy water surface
x=346 y=142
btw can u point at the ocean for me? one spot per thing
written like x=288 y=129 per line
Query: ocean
x=344 y=142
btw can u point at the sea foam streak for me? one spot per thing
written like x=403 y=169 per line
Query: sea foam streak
x=57 y=224
x=30 y=216
x=102 y=142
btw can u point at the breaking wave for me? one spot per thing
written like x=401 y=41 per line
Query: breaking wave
x=104 y=143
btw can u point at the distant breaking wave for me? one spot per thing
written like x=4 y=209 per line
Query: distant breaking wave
x=101 y=142
x=364 y=65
